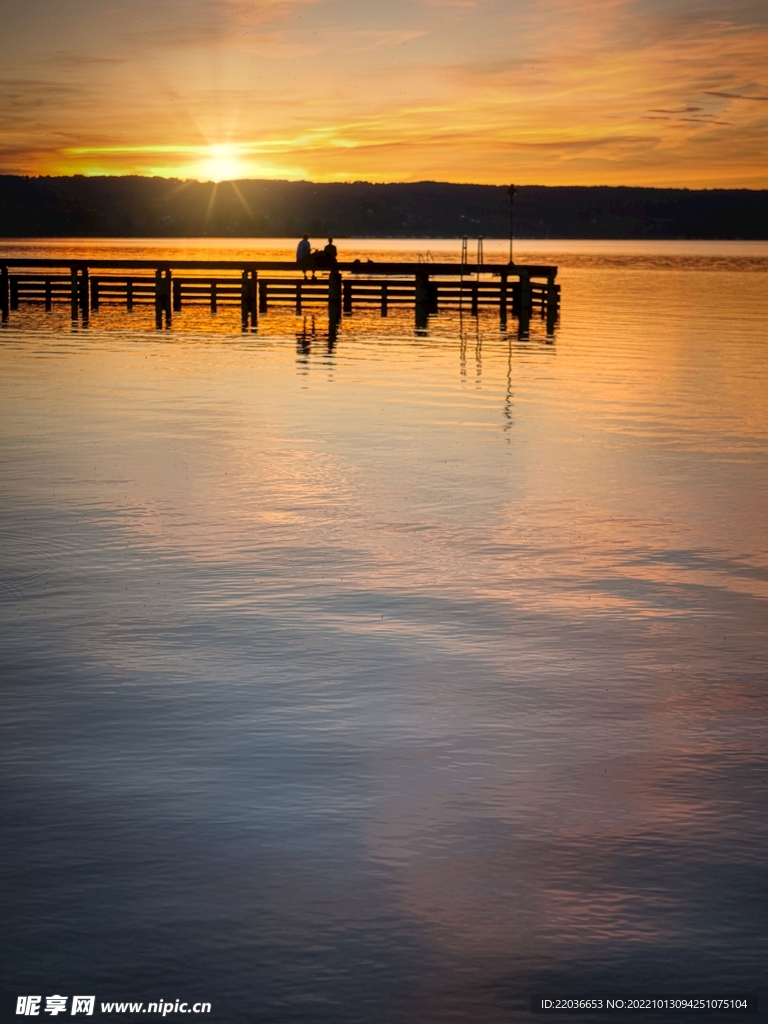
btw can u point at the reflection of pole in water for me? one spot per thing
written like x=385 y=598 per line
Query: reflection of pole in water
x=478 y=352
x=334 y=318
x=508 y=396
x=462 y=346
x=551 y=322
x=304 y=340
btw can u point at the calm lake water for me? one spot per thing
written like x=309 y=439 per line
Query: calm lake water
x=393 y=678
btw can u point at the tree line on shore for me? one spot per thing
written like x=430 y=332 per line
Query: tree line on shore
x=133 y=206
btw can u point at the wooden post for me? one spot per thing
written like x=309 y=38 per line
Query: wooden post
x=475 y=304
x=158 y=298
x=252 y=297
x=552 y=296
x=82 y=291
x=177 y=296
x=248 y=297
x=214 y=297
x=525 y=294
x=94 y=294
x=347 y=296
x=4 y=293
x=129 y=295
x=525 y=305
x=421 y=295
x=334 y=296
x=73 y=285
x=263 y=297
x=421 y=289
x=48 y=295
x=14 y=292
x=384 y=298
x=503 y=299
x=298 y=296
x=244 y=299
x=551 y=321
x=163 y=284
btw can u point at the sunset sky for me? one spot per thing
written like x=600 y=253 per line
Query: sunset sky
x=618 y=92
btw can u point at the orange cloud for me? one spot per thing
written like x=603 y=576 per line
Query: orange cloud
x=441 y=89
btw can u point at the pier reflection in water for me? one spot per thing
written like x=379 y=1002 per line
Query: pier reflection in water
x=356 y=674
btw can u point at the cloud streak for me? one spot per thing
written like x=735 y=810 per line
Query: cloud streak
x=614 y=92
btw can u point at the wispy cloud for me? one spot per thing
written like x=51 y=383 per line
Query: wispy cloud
x=737 y=96
x=610 y=91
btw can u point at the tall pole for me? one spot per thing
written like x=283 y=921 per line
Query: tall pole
x=511 y=191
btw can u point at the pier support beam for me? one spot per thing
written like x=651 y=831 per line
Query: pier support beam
x=248 y=298
x=524 y=313
x=163 y=285
x=4 y=293
x=347 y=296
x=334 y=296
x=83 y=293
x=263 y=297
x=525 y=295
x=552 y=297
x=95 y=294
x=73 y=292
x=503 y=301
x=421 y=289
x=334 y=307
x=422 y=296
x=177 y=296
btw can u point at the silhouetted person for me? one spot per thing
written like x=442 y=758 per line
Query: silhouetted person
x=330 y=253
x=304 y=255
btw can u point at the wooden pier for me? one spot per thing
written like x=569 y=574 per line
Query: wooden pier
x=86 y=286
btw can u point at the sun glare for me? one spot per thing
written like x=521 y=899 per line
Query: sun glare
x=221 y=163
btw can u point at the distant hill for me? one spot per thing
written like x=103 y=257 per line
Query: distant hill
x=159 y=207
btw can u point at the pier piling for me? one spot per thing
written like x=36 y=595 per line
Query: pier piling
x=73 y=286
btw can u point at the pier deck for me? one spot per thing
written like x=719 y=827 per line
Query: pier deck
x=256 y=286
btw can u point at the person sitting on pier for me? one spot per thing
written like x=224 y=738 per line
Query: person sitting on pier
x=304 y=256
x=330 y=252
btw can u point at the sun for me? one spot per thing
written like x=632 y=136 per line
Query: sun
x=221 y=163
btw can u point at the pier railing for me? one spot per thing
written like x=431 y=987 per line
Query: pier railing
x=86 y=286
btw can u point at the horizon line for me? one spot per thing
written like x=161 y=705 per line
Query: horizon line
x=362 y=181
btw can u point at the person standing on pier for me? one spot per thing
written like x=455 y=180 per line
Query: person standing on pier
x=303 y=253
x=330 y=252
